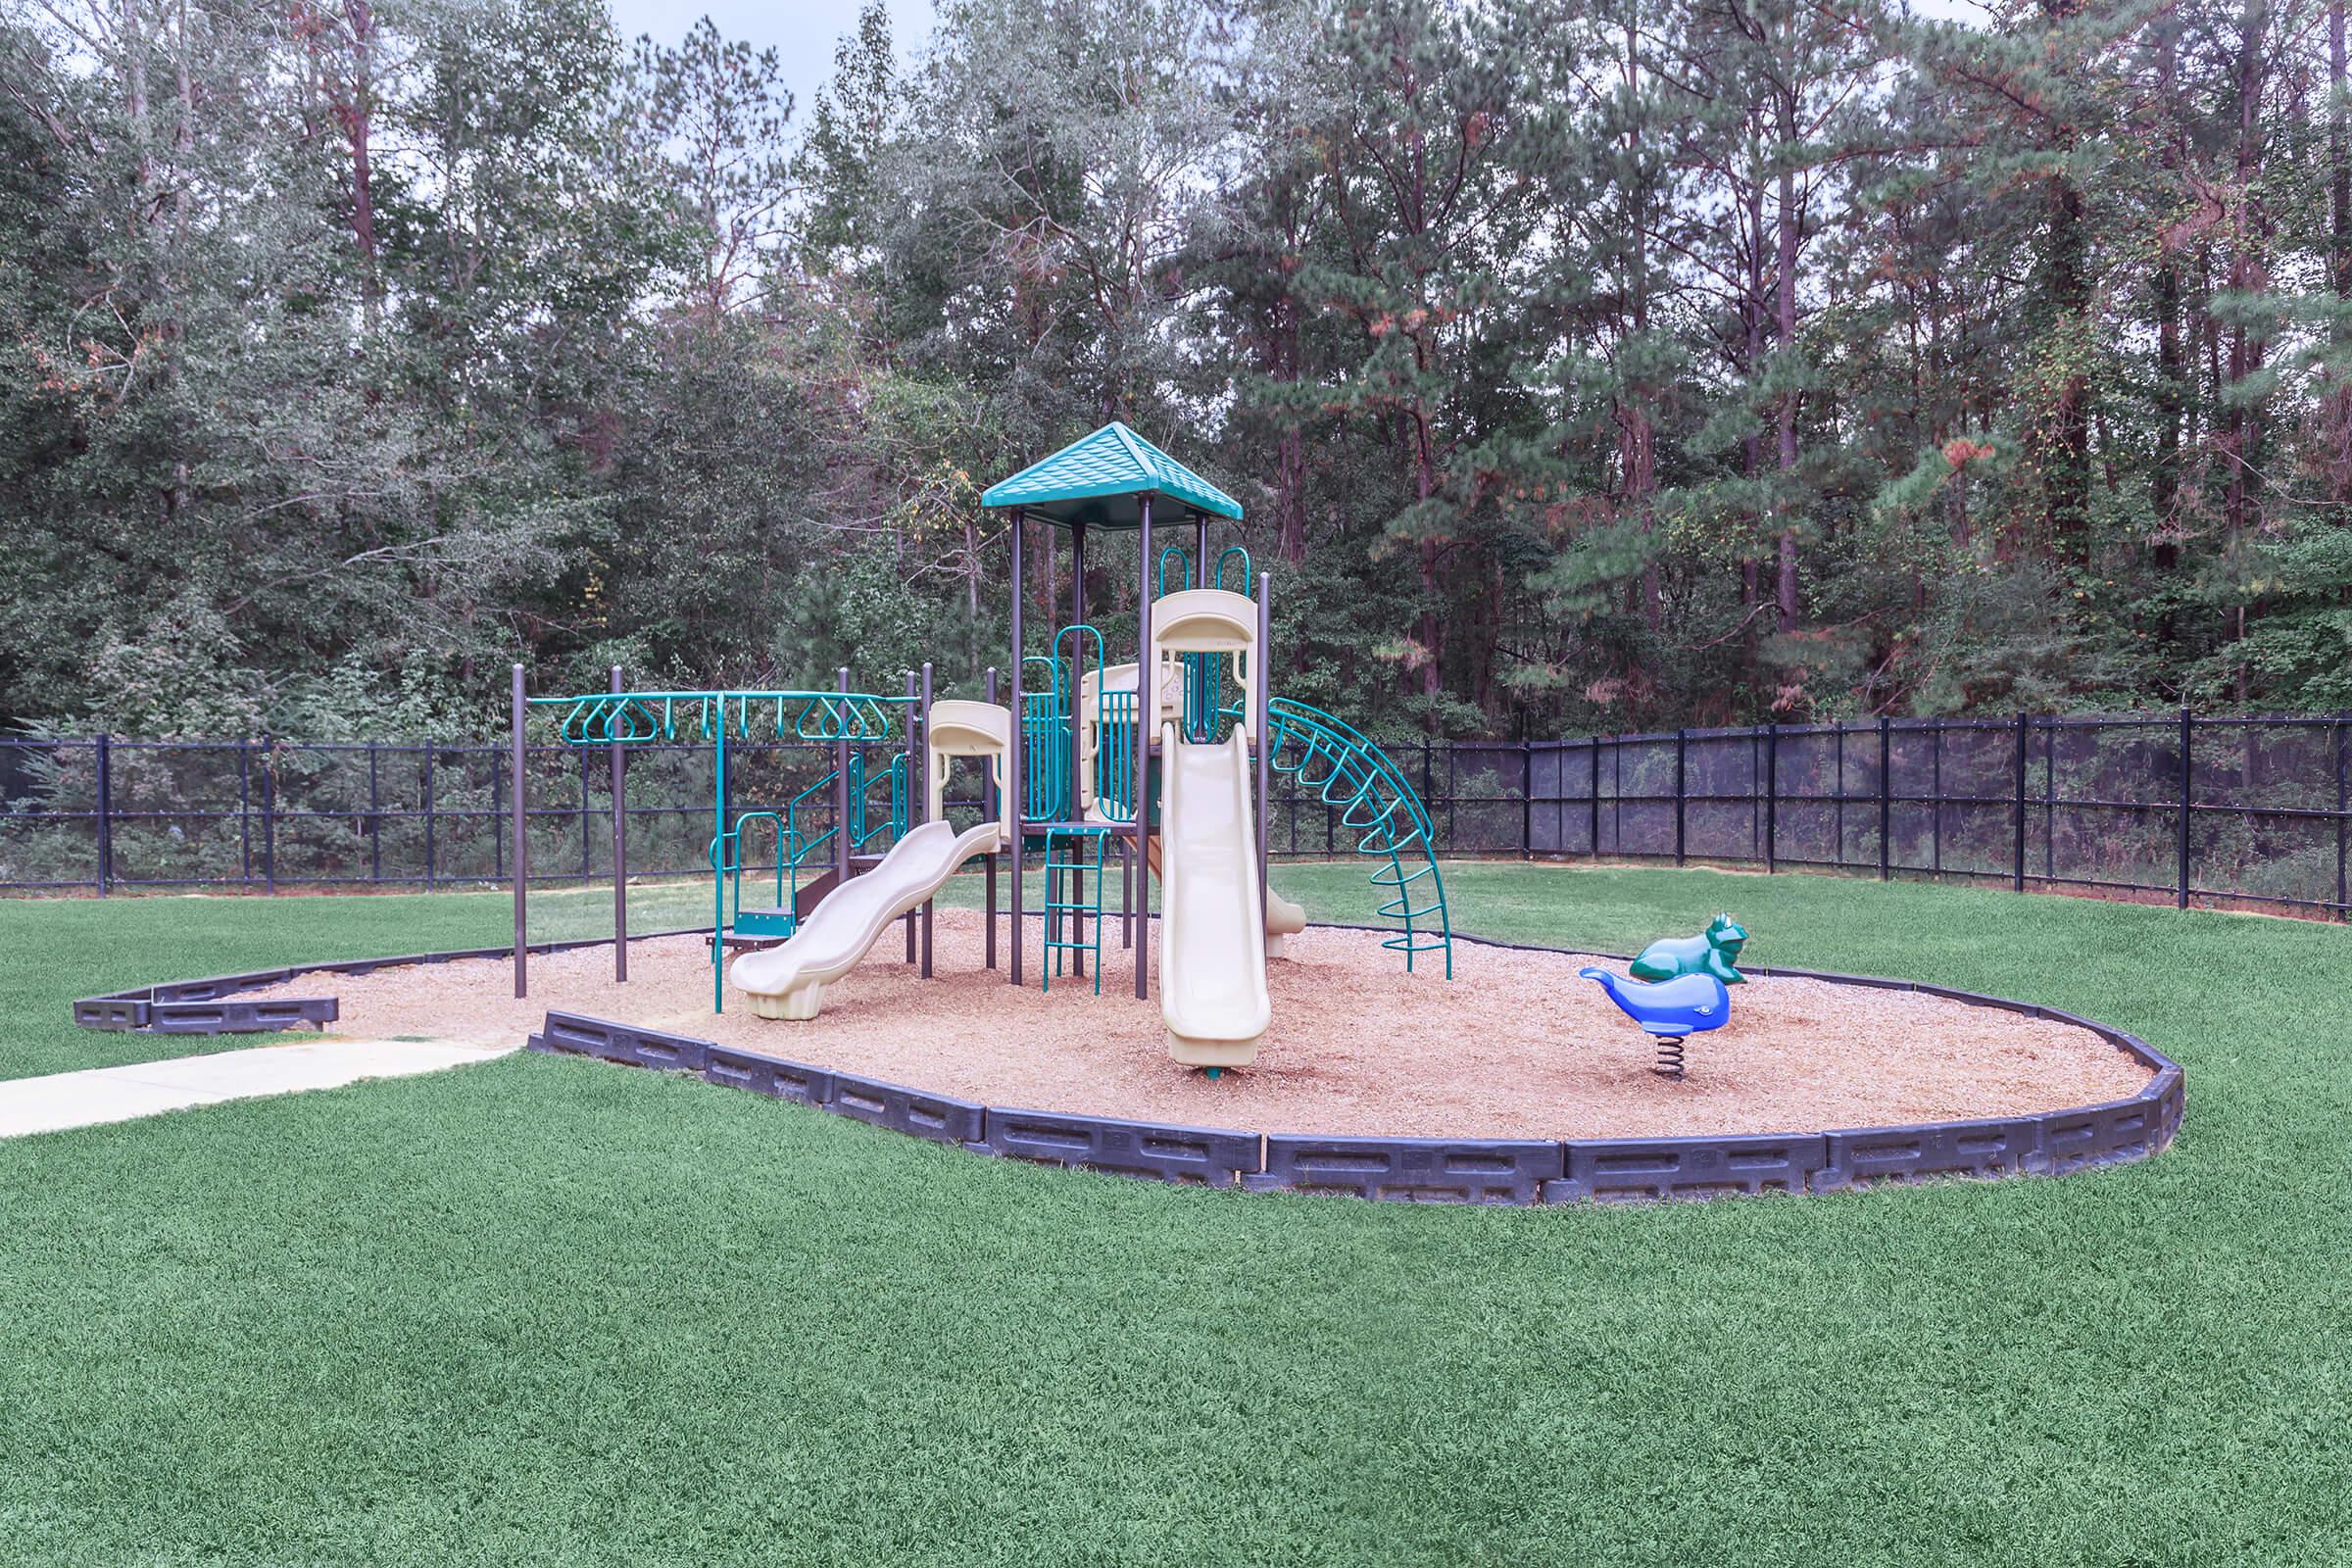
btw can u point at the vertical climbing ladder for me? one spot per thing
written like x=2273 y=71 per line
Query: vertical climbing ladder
x=1073 y=852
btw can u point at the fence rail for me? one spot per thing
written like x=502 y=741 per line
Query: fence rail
x=2250 y=811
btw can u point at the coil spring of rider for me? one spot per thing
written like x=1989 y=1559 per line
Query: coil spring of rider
x=1670 y=1057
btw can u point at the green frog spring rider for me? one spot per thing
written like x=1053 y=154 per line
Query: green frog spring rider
x=1713 y=951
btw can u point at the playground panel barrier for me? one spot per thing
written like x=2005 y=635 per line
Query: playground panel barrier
x=2246 y=812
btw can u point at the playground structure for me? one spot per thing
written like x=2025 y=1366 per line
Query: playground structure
x=1514 y=1087
x=1158 y=766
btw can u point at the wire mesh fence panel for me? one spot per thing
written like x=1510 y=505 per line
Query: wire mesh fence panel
x=2105 y=803
x=49 y=824
x=1562 y=779
x=1485 y=808
x=1723 y=815
x=1637 y=795
x=2266 y=811
x=2089 y=803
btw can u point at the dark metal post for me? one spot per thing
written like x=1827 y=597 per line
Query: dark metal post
x=1261 y=691
x=1772 y=796
x=914 y=810
x=1075 y=880
x=1838 y=810
x=1527 y=799
x=1015 y=761
x=375 y=819
x=920 y=801
x=991 y=807
x=2188 y=797
x=245 y=810
x=840 y=777
x=620 y=842
x=428 y=817
x=1200 y=550
x=1886 y=796
x=2017 y=874
x=1147 y=707
x=269 y=812
x=1595 y=741
x=1935 y=789
x=523 y=846
x=105 y=782
x=2049 y=800
x=2344 y=911
x=1682 y=748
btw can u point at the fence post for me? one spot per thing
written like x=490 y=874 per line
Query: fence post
x=269 y=812
x=1886 y=795
x=2017 y=868
x=2189 y=795
x=1527 y=799
x=244 y=811
x=105 y=758
x=375 y=819
x=1681 y=753
x=428 y=818
x=1594 y=844
x=1772 y=796
x=1935 y=790
x=2343 y=912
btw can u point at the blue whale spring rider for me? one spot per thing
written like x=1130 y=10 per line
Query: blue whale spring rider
x=1670 y=1010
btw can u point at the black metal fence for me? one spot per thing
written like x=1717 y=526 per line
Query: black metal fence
x=2249 y=812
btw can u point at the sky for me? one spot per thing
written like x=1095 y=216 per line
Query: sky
x=803 y=32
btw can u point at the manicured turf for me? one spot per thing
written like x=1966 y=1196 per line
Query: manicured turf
x=551 y=1310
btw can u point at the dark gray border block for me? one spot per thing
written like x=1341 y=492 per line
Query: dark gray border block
x=625 y=1043
x=2117 y=1132
x=759 y=1073
x=1400 y=1168
x=1427 y=1170
x=1210 y=1157
x=221 y=985
x=2004 y=1146
x=112 y=1012
x=1629 y=1169
x=941 y=1118
x=230 y=1016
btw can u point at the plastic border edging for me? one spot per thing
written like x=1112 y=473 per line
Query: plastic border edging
x=1453 y=1170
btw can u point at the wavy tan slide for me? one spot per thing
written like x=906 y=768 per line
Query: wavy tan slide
x=789 y=981
x=1212 y=936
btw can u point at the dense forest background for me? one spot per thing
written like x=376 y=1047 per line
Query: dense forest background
x=1593 y=367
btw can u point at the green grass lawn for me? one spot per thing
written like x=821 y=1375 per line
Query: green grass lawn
x=552 y=1310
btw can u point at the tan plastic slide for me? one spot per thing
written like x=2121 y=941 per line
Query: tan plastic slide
x=1283 y=917
x=789 y=981
x=1212 y=938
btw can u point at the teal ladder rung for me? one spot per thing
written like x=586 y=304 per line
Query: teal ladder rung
x=1088 y=843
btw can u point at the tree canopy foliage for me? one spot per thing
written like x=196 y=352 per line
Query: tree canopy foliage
x=1612 y=366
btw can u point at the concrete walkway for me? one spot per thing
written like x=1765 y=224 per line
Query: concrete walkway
x=149 y=1088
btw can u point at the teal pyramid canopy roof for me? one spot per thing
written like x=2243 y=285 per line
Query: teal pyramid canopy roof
x=1098 y=479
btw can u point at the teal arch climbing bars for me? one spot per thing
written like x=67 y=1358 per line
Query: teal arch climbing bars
x=1347 y=771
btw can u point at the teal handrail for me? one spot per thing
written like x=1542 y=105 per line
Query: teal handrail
x=1045 y=746
x=1375 y=801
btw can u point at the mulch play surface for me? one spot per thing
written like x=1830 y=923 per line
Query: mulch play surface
x=1515 y=1046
